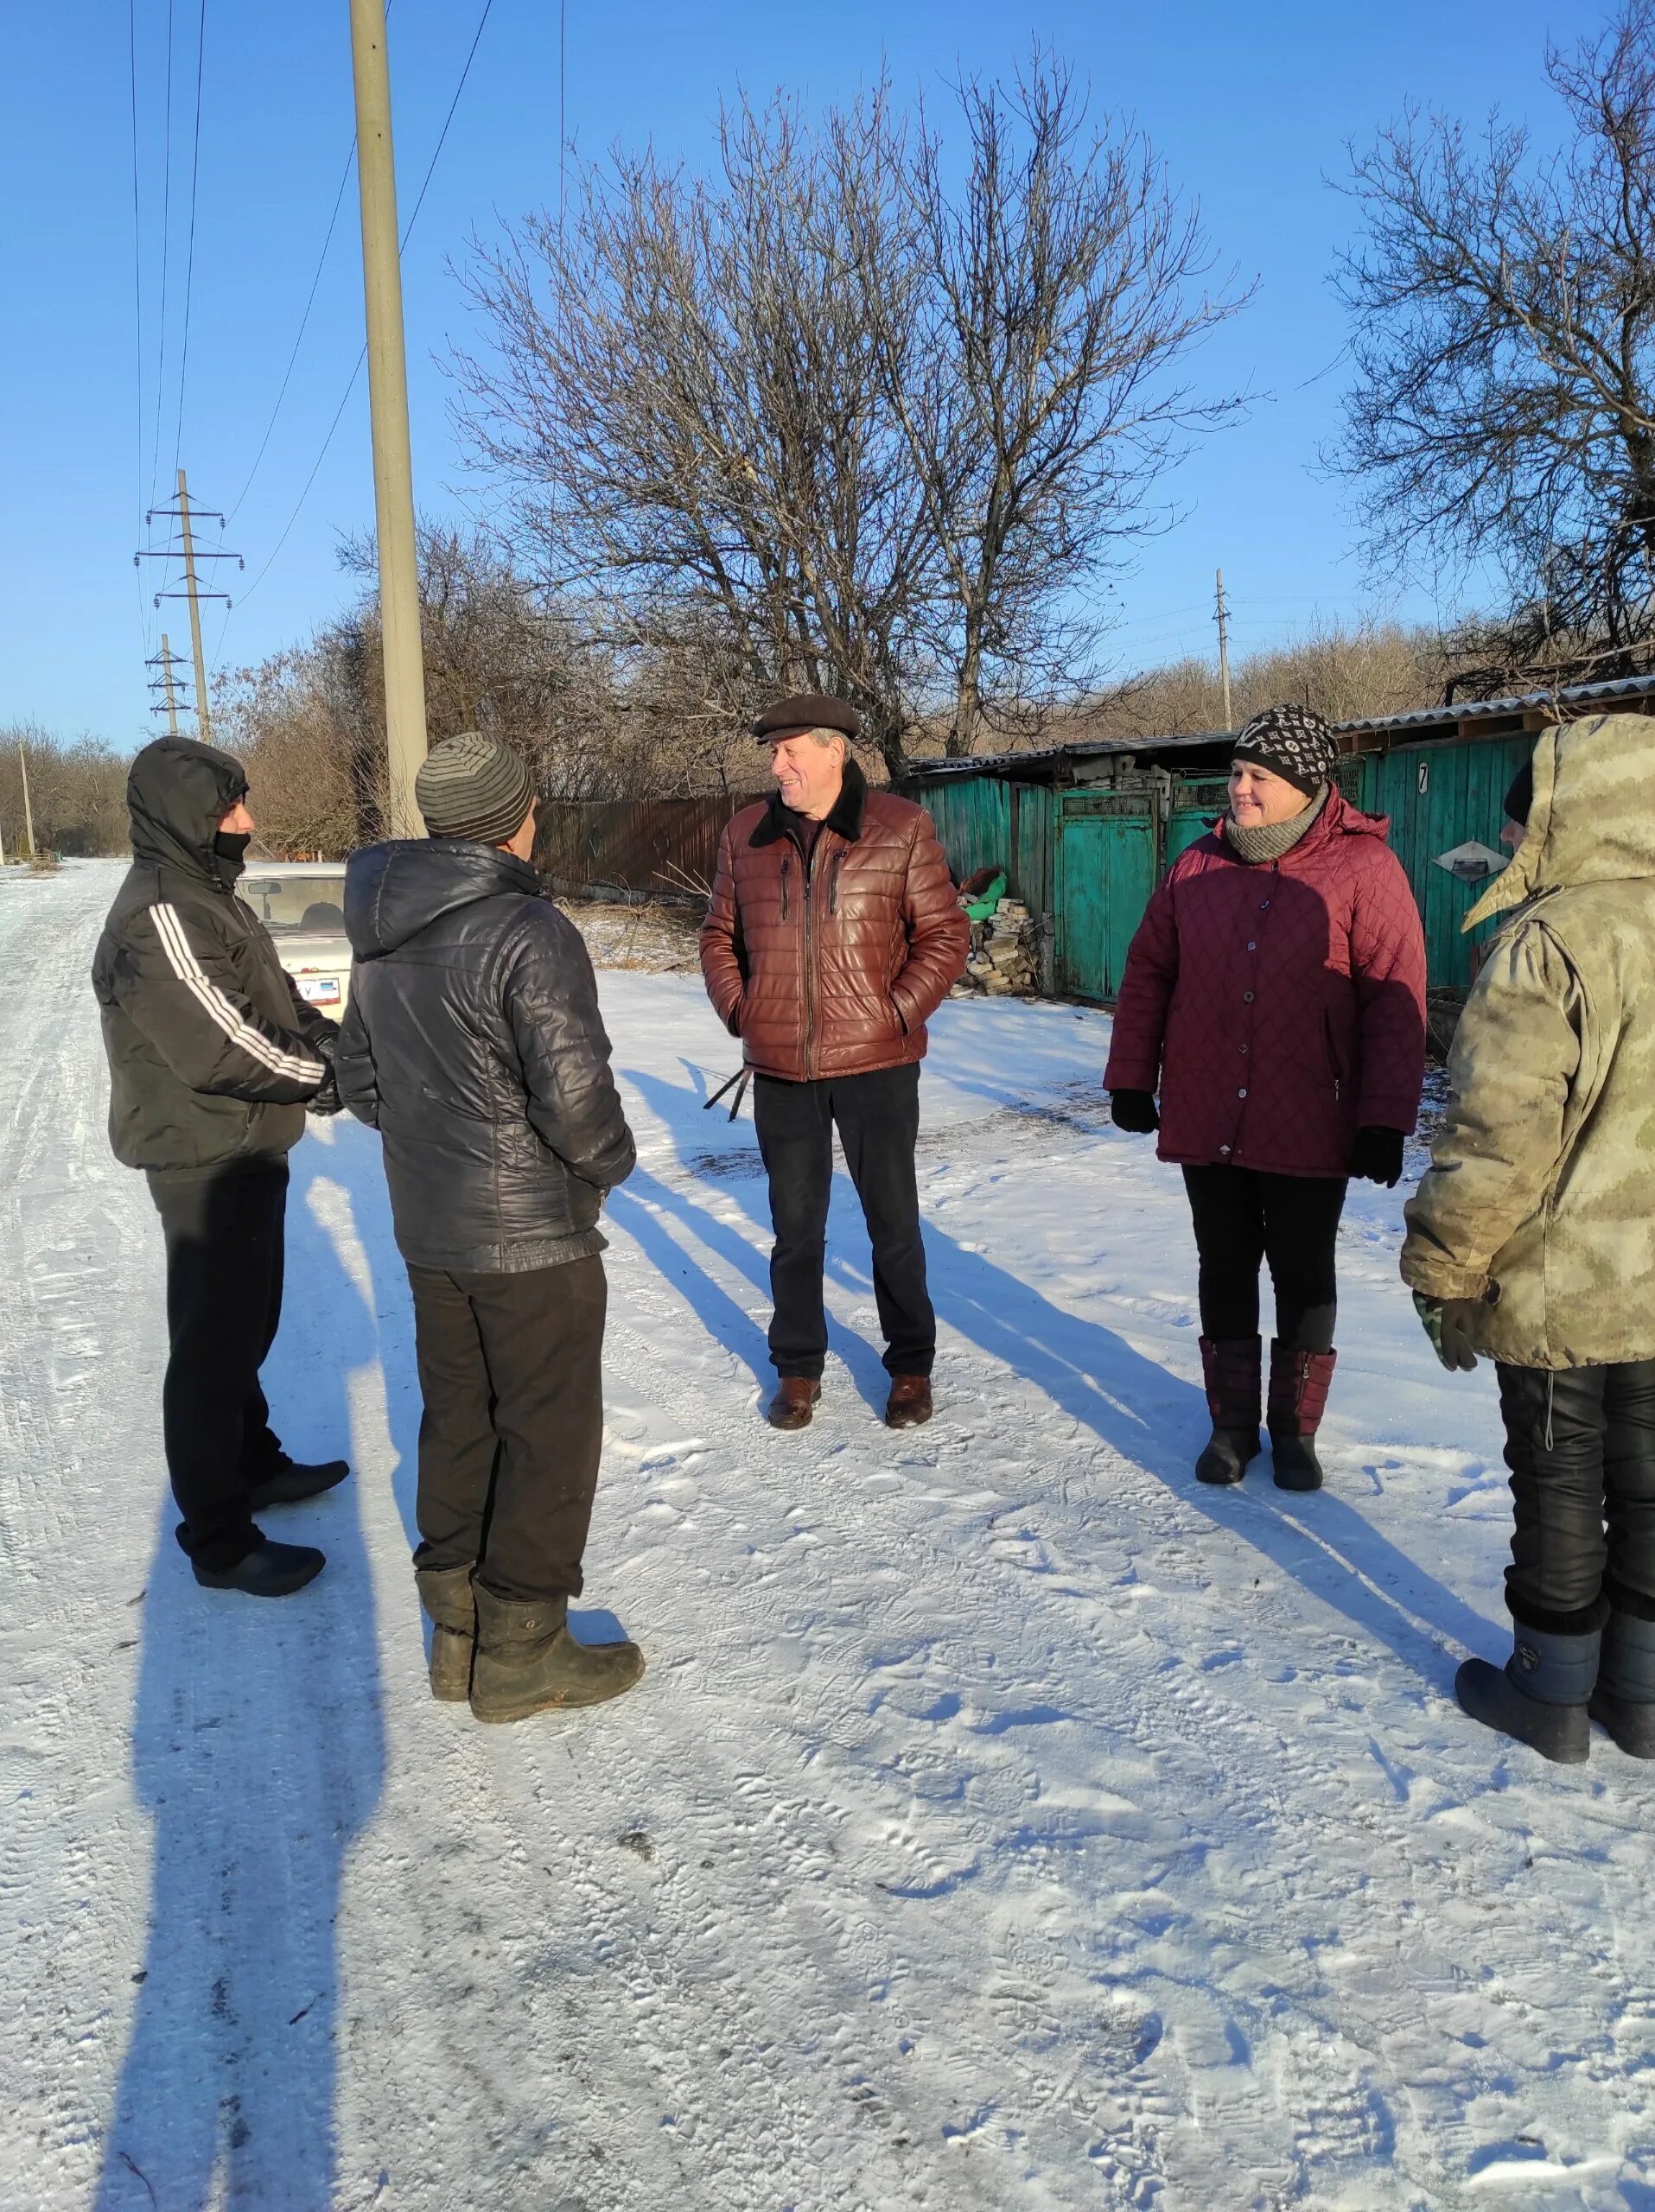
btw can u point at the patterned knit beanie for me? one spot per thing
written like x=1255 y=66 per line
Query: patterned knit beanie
x=473 y=786
x=1292 y=742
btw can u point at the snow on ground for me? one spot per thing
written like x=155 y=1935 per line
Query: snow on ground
x=1003 y=1822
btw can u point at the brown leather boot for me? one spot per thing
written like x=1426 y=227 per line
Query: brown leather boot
x=445 y=1593
x=794 y=1402
x=909 y=1402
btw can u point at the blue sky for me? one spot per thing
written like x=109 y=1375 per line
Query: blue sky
x=1251 y=105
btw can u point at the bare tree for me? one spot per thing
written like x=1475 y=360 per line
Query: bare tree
x=502 y=654
x=77 y=792
x=871 y=434
x=1028 y=362
x=1503 y=409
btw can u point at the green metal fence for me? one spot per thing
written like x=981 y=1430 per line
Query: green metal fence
x=1090 y=857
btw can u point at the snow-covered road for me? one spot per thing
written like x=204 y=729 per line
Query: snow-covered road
x=1003 y=1822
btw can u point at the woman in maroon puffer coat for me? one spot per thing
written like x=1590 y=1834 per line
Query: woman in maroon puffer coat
x=1274 y=993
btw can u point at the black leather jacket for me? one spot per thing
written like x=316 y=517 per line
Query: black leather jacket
x=473 y=1043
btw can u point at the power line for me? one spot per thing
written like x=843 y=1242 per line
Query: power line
x=166 y=236
x=408 y=231
x=189 y=276
x=138 y=273
x=310 y=301
x=408 y=228
x=287 y=377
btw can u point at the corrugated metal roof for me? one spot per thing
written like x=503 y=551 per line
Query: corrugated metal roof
x=1624 y=687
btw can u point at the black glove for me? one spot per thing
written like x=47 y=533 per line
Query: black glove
x=1376 y=1157
x=1134 y=1111
x=326 y=1100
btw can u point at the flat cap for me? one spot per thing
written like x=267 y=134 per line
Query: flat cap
x=807 y=710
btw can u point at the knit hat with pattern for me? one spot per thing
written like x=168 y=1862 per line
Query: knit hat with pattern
x=1292 y=742
x=473 y=786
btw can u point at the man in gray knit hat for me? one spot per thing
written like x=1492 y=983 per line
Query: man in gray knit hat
x=474 y=1044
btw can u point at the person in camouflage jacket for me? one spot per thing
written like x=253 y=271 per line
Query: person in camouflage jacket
x=1532 y=1238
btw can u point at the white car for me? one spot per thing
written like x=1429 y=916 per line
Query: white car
x=301 y=903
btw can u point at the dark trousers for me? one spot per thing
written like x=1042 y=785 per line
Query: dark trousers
x=1243 y=1218
x=877 y=1118
x=223 y=1237
x=1580 y=1446
x=510 y=1370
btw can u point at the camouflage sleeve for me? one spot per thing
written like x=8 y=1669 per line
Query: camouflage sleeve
x=1515 y=1056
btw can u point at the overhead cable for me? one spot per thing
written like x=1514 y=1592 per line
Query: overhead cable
x=408 y=231
x=166 y=236
x=190 y=274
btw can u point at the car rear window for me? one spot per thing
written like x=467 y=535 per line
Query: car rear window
x=288 y=903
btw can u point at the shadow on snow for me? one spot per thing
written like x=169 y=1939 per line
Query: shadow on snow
x=1128 y=1401
x=258 y=1753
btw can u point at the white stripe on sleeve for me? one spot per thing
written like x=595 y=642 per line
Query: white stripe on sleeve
x=169 y=928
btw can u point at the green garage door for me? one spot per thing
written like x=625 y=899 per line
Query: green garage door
x=1105 y=872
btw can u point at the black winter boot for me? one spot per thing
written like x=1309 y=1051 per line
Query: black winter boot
x=1623 y=1699
x=267 y=1570
x=528 y=1662
x=446 y=1594
x=1232 y=1369
x=1299 y=1382
x=1539 y=1695
x=290 y=1481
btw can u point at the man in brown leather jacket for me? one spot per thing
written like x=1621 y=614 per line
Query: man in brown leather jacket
x=834 y=934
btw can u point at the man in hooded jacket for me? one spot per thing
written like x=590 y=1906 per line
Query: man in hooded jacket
x=213 y=1058
x=1532 y=1238
x=474 y=1044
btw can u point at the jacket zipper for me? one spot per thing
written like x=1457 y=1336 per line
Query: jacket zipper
x=1332 y=1056
x=787 y=870
x=809 y=976
x=833 y=884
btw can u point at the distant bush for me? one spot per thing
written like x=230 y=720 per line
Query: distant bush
x=77 y=793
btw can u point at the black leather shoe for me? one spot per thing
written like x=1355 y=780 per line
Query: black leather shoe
x=291 y=1481
x=268 y=1571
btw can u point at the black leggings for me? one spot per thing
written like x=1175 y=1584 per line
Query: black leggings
x=1243 y=1216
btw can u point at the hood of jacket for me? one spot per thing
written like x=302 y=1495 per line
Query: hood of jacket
x=177 y=792
x=395 y=890
x=1591 y=819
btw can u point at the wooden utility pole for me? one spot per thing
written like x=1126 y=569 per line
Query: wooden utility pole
x=1223 y=620
x=203 y=727
x=28 y=811
x=393 y=471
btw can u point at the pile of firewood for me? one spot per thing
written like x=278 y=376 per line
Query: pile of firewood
x=1005 y=953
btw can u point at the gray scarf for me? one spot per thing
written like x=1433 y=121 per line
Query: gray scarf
x=1274 y=838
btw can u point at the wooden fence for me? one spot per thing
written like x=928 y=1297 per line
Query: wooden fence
x=648 y=848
